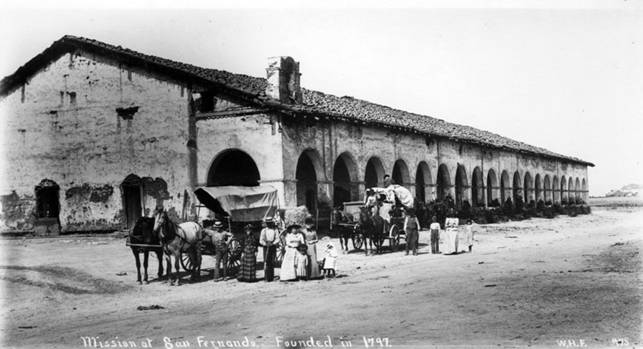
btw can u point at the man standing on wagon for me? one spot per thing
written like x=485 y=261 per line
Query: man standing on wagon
x=269 y=240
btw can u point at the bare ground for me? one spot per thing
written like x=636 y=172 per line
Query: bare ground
x=530 y=283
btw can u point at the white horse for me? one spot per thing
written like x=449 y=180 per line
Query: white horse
x=178 y=239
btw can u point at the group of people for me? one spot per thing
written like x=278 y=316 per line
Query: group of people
x=299 y=258
x=453 y=234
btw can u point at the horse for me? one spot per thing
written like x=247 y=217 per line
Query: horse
x=374 y=227
x=344 y=234
x=176 y=240
x=143 y=234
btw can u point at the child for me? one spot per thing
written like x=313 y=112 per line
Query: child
x=435 y=235
x=411 y=228
x=469 y=235
x=330 y=261
x=301 y=262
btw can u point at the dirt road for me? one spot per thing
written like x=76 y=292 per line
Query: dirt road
x=541 y=283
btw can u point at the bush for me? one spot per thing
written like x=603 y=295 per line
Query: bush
x=558 y=209
x=465 y=210
x=508 y=208
x=519 y=205
x=548 y=212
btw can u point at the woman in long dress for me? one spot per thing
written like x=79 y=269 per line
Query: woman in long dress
x=292 y=241
x=248 y=269
x=311 y=240
x=451 y=226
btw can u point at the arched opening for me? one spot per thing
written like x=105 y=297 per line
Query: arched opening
x=517 y=187
x=570 y=190
x=505 y=187
x=344 y=178
x=47 y=199
x=577 y=189
x=400 y=173
x=422 y=181
x=492 y=185
x=538 y=188
x=306 y=175
x=584 y=188
x=547 y=186
x=528 y=188
x=131 y=189
x=563 y=189
x=461 y=186
x=555 y=190
x=477 y=187
x=374 y=174
x=233 y=167
x=443 y=182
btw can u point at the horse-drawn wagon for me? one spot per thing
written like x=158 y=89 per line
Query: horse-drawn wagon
x=346 y=223
x=380 y=218
x=239 y=206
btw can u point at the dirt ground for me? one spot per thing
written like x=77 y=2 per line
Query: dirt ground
x=570 y=281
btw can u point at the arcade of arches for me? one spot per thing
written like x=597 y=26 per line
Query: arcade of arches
x=346 y=183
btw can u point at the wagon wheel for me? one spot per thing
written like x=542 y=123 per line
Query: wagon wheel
x=394 y=234
x=234 y=256
x=186 y=262
x=357 y=237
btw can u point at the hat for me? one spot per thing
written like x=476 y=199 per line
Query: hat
x=268 y=220
x=218 y=224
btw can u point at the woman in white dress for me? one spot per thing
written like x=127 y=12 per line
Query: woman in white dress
x=451 y=226
x=293 y=239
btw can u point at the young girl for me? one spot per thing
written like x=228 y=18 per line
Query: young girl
x=301 y=262
x=330 y=260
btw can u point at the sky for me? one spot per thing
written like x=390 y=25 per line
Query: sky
x=566 y=76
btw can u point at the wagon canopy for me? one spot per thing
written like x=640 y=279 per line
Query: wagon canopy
x=397 y=191
x=242 y=204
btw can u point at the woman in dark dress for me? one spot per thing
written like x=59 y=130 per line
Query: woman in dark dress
x=248 y=268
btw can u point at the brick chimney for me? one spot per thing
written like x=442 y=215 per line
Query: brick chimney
x=283 y=80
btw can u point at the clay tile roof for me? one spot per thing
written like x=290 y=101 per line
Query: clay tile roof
x=253 y=89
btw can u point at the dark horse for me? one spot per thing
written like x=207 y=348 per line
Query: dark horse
x=344 y=233
x=143 y=234
x=373 y=227
x=178 y=239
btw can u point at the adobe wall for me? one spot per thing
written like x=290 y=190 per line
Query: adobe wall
x=64 y=126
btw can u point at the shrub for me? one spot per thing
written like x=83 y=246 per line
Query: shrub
x=508 y=208
x=519 y=205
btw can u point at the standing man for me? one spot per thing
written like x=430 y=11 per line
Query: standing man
x=435 y=235
x=219 y=238
x=269 y=240
x=411 y=228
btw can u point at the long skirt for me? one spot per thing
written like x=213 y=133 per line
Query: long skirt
x=248 y=269
x=451 y=243
x=313 y=266
x=287 y=271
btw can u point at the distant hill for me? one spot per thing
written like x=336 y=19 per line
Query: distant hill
x=626 y=191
